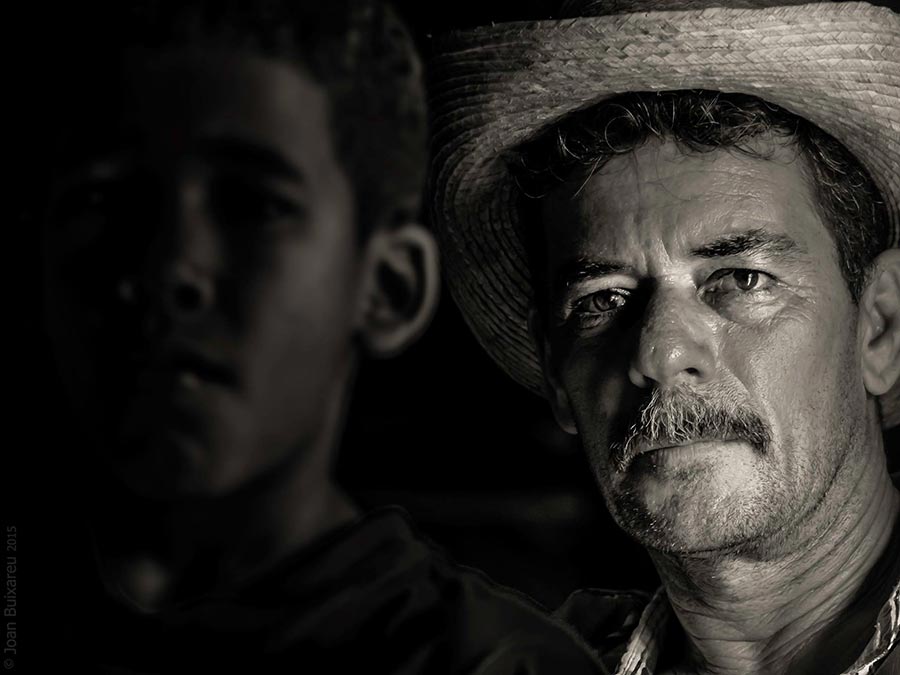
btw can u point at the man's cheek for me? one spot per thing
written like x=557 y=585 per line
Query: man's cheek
x=595 y=416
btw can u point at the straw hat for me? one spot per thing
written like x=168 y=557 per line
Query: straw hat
x=835 y=64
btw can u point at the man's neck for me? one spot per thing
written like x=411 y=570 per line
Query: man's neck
x=810 y=609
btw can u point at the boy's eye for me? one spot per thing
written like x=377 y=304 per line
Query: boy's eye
x=244 y=203
x=87 y=199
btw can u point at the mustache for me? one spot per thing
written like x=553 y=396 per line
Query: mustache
x=680 y=416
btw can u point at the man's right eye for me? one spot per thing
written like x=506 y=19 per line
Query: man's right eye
x=599 y=307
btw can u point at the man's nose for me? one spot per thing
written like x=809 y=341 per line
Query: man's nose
x=676 y=345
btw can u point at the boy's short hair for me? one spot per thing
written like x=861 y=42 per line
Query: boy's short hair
x=358 y=51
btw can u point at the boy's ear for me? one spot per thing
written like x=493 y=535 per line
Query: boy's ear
x=553 y=391
x=879 y=326
x=400 y=290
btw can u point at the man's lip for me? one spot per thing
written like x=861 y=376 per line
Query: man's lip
x=669 y=445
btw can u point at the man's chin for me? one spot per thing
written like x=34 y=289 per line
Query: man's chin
x=690 y=516
x=661 y=536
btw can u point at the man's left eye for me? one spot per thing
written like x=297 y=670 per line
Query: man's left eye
x=738 y=280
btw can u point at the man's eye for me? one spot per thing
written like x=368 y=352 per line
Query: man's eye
x=597 y=307
x=738 y=280
x=604 y=301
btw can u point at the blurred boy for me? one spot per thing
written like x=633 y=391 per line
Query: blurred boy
x=231 y=224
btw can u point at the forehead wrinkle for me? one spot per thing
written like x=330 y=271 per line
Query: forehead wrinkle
x=634 y=181
x=739 y=201
x=657 y=204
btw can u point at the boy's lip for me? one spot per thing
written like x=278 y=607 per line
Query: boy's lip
x=186 y=365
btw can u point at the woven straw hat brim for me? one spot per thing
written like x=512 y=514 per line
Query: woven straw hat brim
x=491 y=88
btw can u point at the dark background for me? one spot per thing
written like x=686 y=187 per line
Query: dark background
x=477 y=461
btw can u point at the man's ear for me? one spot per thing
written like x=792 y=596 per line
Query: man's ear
x=880 y=324
x=553 y=391
x=400 y=290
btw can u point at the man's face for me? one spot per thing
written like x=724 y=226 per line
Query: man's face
x=201 y=268
x=702 y=341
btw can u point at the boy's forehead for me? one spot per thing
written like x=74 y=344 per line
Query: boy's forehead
x=168 y=101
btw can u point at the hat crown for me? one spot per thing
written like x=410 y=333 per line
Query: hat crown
x=575 y=8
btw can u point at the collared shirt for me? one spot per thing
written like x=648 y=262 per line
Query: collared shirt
x=643 y=648
x=629 y=630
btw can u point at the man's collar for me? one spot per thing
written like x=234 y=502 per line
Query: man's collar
x=645 y=645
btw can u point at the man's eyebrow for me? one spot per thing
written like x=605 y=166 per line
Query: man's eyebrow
x=247 y=153
x=751 y=241
x=579 y=269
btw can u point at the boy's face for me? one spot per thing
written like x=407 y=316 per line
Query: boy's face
x=202 y=269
